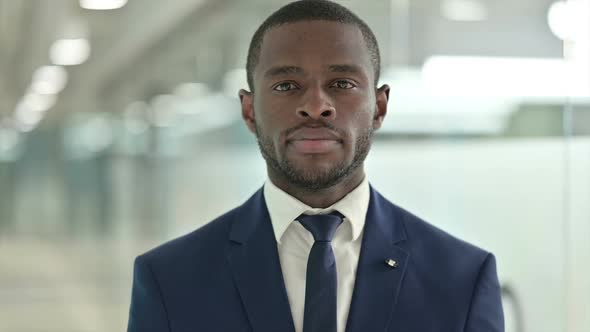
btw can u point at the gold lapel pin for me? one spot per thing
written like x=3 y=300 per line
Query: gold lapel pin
x=391 y=263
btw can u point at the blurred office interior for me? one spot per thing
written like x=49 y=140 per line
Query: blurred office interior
x=120 y=128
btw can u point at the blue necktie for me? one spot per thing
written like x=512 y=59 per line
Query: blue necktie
x=319 y=314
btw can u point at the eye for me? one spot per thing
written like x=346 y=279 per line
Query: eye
x=343 y=84
x=285 y=86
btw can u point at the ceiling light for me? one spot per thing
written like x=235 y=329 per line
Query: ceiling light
x=38 y=102
x=102 y=4
x=558 y=20
x=49 y=80
x=569 y=20
x=27 y=118
x=69 y=52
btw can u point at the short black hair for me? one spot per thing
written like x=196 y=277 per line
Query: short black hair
x=311 y=10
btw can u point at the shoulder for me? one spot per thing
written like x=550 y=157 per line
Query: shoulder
x=442 y=269
x=203 y=244
x=439 y=259
x=425 y=240
x=429 y=234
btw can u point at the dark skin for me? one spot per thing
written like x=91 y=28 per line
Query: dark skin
x=314 y=108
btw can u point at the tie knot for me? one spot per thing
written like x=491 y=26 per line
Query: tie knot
x=321 y=226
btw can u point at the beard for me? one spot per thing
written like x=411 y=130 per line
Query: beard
x=313 y=179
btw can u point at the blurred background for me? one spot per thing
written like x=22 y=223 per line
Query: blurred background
x=120 y=128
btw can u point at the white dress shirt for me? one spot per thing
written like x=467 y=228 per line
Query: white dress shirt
x=294 y=244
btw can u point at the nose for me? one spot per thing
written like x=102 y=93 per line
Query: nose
x=316 y=104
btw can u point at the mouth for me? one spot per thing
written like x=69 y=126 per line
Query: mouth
x=314 y=146
x=308 y=133
x=314 y=140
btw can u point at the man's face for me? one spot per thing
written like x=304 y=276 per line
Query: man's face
x=314 y=107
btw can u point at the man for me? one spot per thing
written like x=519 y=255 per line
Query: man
x=317 y=249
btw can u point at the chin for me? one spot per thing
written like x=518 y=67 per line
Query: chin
x=316 y=165
x=316 y=175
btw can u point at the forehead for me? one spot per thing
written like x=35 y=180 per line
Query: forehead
x=313 y=45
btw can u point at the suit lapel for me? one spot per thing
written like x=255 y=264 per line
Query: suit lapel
x=377 y=284
x=254 y=262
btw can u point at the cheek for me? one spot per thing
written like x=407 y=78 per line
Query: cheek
x=360 y=117
x=273 y=111
x=360 y=102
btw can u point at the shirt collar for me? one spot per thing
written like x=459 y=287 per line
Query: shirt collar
x=284 y=208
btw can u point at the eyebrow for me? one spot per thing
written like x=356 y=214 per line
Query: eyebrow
x=283 y=70
x=288 y=70
x=344 y=69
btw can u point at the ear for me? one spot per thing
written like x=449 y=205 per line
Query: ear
x=247 y=102
x=382 y=96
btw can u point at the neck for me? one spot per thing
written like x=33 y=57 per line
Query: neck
x=319 y=198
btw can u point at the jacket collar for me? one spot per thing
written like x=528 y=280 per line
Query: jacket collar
x=254 y=261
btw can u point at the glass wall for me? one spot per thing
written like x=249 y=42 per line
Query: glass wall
x=121 y=129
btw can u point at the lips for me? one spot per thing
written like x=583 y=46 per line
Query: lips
x=314 y=134
x=314 y=140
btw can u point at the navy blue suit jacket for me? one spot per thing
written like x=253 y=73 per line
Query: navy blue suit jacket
x=226 y=276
